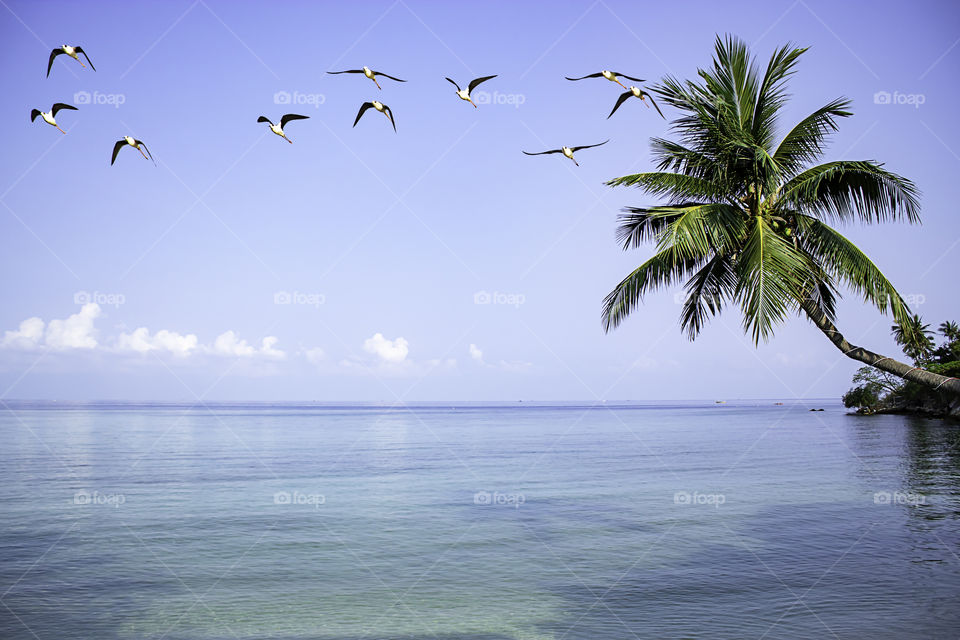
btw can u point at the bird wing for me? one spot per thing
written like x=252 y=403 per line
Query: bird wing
x=58 y=106
x=655 y=106
x=587 y=146
x=621 y=75
x=378 y=73
x=80 y=50
x=140 y=143
x=34 y=114
x=291 y=116
x=53 y=54
x=541 y=153
x=473 y=83
x=363 y=109
x=389 y=113
x=453 y=83
x=592 y=75
x=623 y=98
x=333 y=73
x=116 y=150
x=265 y=119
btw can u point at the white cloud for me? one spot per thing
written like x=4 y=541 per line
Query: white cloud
x=266 y=348
x=75 y=332
x=516 y=366
x=229 y=344
x=315 y=355
x=141 y=341
x=28 y=335
x=476 y=353
x=394 y=351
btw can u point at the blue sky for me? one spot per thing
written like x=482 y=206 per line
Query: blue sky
x=357 y=253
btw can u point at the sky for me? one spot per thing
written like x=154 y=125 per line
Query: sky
x=437 y=262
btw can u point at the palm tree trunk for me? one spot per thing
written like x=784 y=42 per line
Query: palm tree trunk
x=899 y=369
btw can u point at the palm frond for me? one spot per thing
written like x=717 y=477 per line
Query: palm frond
x=661 y=270
x=676 y=186
x=848 y=189
x=772 y=95
x=848 y=264
x=706 y=291
x=805 y=142
x=769 y=285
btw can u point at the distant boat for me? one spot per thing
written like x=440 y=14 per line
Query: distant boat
x=719 y=402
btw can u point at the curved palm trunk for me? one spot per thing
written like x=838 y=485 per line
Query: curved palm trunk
x=905 y=371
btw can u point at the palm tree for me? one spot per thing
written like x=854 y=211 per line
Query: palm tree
x=914 y=336
x=746 y=221
x=949 y=330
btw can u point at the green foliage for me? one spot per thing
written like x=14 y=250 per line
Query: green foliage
x=745 y=218
x=914 y=337
x=875 y=389
x=863 y=398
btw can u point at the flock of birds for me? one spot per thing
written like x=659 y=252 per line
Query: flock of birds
x=464 y=94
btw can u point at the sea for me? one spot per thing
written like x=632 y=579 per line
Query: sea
x=483 y=521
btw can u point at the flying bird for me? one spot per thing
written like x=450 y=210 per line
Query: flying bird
x=278 y=128
x=636 y=92
x=133 y=142
x=568 y=151
x=50 y=117
x=368 y=73
x=379 y=106
x=609 y=75
x=465 y=94
x=72 y=52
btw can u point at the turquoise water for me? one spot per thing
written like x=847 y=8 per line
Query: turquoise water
x=742 y=520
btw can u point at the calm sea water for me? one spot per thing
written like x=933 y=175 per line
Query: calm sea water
x=743 y=520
